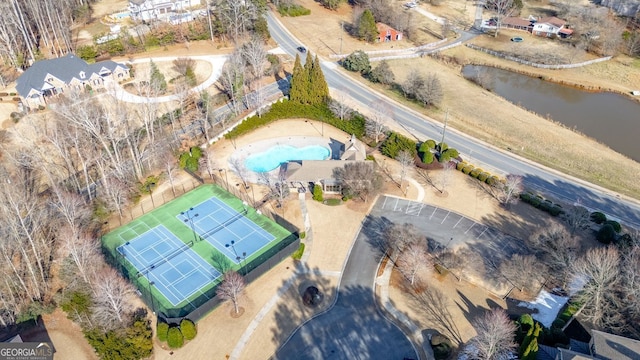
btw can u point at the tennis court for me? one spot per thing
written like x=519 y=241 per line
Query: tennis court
x=174 y=270
x=227 y=230
x=168 y=264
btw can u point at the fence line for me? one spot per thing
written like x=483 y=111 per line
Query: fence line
x=151 y=202
x=375 y=52
x=419 y=54
x=537 y=65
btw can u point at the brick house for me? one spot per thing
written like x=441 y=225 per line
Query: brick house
x=47 y=78
x=387 y=33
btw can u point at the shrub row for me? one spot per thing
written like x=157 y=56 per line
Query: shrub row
x=176 y=335
x=540 y=203
x=289 y=109
x=396 y=143
x=477 y=173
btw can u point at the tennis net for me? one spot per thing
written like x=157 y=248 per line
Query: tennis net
x=173 y=254
x=224 y=224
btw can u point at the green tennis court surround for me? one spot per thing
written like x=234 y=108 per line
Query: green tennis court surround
x=176 y=254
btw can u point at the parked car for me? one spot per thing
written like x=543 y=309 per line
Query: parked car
x=410 y=5
x=302 y=49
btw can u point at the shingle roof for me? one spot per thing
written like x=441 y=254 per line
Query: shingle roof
x=614 y=347
x=64 y=68
x=516 y=21
x=553 y=21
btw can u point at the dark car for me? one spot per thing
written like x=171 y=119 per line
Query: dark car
x=302 y=49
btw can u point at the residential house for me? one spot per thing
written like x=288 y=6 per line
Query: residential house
x=602 y=346
x=387 y=33
x=517 y=23
x=154 y=9
x=46 y=78
x=551 y=27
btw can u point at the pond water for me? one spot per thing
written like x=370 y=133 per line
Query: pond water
x=609 y=118
x=280 y=154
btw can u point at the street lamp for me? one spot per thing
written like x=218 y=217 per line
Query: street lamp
x=239 y=258
x=189 y=220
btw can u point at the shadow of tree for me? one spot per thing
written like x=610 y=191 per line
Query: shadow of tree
x=352 y=329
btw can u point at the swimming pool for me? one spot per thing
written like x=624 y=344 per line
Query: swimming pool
x=280 y=154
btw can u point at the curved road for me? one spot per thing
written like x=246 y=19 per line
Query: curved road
x=353 y=328
x=535 y=176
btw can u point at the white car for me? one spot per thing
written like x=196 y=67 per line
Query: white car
x=410 y=5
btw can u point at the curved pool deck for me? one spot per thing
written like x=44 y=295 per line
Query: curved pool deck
x=240 y=155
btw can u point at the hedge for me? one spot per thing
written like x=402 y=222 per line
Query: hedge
x=395 y=143
x=475 y=172
x=174 y=338
x=467 y=169
x=483 y=176
x=427 y=158
x=293 y=10
x=289 y=109
x=616 y=225
x=542 y=204
x=317 y=193
x=598 y=217
x=297 y=255
x=492 y=180
x=188 y=329
x=606 y=234
x=162 y=329
x=461 y=165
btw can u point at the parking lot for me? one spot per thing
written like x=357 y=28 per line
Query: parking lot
x=444 y=228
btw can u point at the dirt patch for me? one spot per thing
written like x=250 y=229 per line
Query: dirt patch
x=66 y=336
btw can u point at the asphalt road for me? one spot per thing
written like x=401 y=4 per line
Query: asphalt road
x=353 y=328
x=536 y=177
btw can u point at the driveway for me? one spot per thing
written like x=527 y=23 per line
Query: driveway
x=216 y=62
x=353 y=328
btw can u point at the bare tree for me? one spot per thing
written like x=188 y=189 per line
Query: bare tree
x=631 y=280
x=375 y=124
x=509 y=190
x=577 y=218
x=523 y=271
x=238 y=167
x=182 y=64
x=83 y=250
x=502 y=8
x=278 y=188
x=232 y=80
x=434 y=305
x=112 y=299
x=255 y=56
x=338 y=106
x=444 y=177
x=358 y=179
x=397 y=237
x=232 y=289
x=557 y=248
x=596 y=277
x=414 y=260
x=406 y=161
x=495 y=339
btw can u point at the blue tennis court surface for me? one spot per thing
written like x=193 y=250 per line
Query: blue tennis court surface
x=169 y=264
x=229 y=231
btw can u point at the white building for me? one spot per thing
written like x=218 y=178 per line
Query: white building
x=154 y=9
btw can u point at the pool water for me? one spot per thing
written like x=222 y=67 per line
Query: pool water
x=281 y=154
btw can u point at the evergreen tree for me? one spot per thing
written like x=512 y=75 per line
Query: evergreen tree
x=320 y=91
x=531 y=351
x=367 y=29
x=298 y=89
x=308 y=71
x=156 y=78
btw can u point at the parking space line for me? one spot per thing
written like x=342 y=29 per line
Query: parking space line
x=433 y=213
x=385 y=202
x=420 y=210
x=454 y=226
x=485 y=229
x=445 y=217
x=472 y=224
x=396 y=205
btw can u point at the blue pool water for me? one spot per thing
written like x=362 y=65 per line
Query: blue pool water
x=280 y=154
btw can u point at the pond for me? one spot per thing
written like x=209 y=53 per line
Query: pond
x=609 y=118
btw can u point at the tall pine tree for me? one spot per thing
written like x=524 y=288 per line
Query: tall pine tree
x=299 y=88
x=308 y=70
x=319 y=85
x=367 y=29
